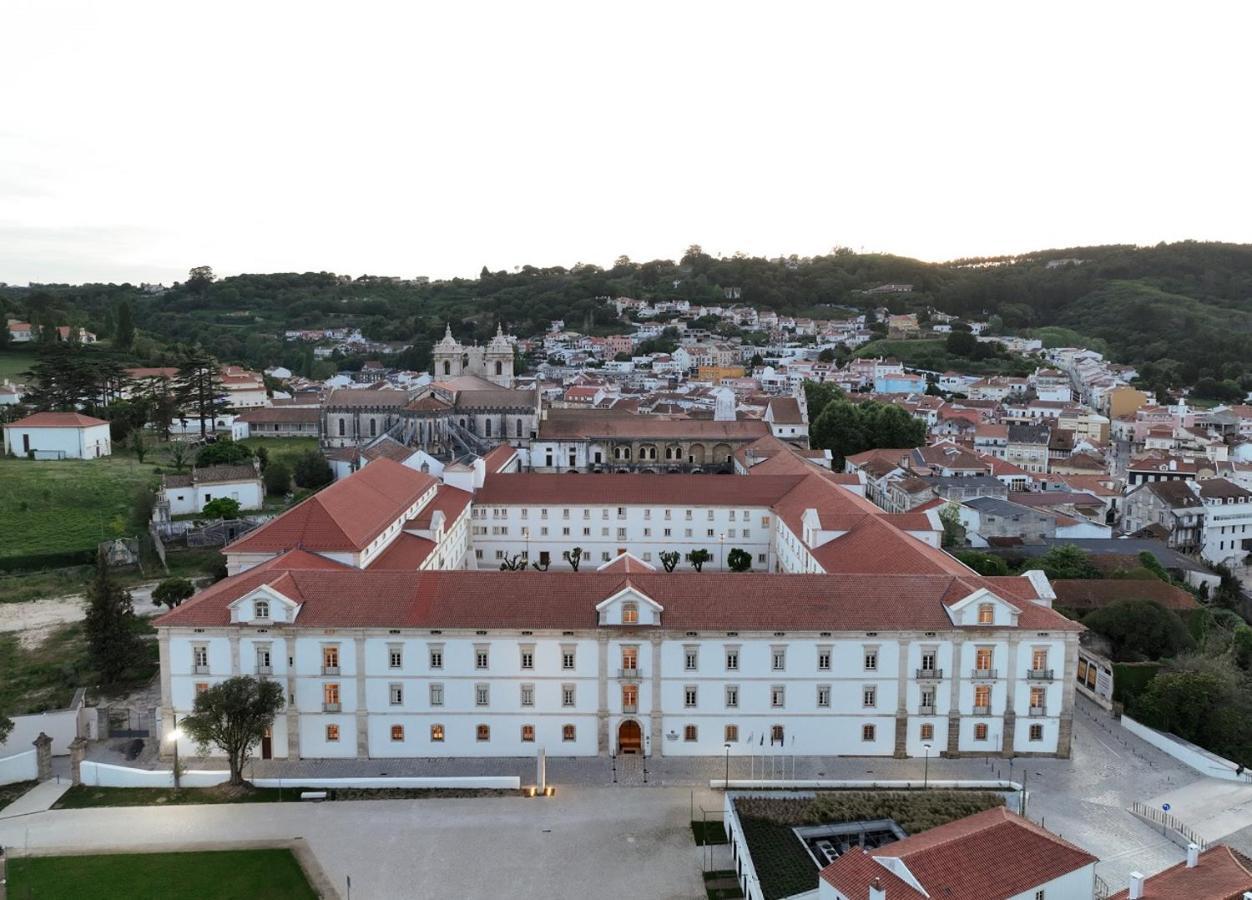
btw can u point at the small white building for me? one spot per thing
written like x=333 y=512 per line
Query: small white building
x=186 y=494
x=58 y=435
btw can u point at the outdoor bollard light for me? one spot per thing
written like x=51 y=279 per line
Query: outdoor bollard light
x=726 y=786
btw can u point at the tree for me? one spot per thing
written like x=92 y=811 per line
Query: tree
x=953 y=530
x=277 y=478
x=110 y=624
x=198 y=387
x=233 y=716
x=1066 y=562
x=6 y=727
x=312 y=470
x=573 y=556
x=817 y=395
x=1241 y=647
x=222 y=508
x=223 y=452
x=960 y=343
x=983 y=563
x=138 y=444
x=827 y=355
x=124 y=331
x=172 y=592
x=178 y=455
x=670 y=559
x=1139 y=630
x=698 y=558
x=514 y=563
x=739 y=560
x=199 y=279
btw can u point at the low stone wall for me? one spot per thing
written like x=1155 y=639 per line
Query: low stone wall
x=106 y=775
x=19 y=767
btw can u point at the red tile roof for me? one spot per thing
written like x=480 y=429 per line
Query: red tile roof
x=1094 y=593
x=405 y=554
x=344 y=517
x=1220 y=874
x=56 y=420
x=966 y=858
x=567 y=600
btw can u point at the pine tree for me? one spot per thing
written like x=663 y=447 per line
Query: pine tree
x=198 y=387
x=110 y=625
x=125 y=334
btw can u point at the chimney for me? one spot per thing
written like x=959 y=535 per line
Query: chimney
x=1136 y=886
x=1193 y=856
x=876 y=890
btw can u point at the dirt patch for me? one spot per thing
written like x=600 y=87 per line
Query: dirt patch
x=34 y=621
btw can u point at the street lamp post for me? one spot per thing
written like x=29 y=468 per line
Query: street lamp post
x=526 y=538
x=174 y=736
x=926 y=765
x=726 y=786
x=721 y=541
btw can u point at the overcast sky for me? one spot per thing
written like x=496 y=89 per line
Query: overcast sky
x=140 y=139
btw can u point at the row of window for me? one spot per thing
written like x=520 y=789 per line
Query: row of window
x=482 y=694
x=984 y=657
x=566 y=531
x=482 y=733
x=502 y=512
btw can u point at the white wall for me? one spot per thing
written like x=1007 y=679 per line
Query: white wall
x=19 y=767
x=192 y=498
x=1201 y=760
x=60 y=443
x=105 y=775
x=61 y=725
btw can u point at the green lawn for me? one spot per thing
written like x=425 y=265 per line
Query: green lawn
x=45 y=677
x=60 y=506
x=220 y=875
x=86 y=797
x=280 y=447
x=10 y=792
x=14 y=362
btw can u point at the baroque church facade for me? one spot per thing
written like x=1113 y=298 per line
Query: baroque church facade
x=493 y=362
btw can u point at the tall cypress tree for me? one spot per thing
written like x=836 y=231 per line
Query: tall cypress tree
x=110 y=625
x=124 y=338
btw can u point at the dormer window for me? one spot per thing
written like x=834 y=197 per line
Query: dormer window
x=262 y=609
x=986 y=614
x=630 y=613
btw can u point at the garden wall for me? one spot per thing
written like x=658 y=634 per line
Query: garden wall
x=62 y=725
x=19 y=767
x=106 y=775
x=1196 y=757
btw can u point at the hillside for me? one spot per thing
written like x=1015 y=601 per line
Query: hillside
x=1181 y=312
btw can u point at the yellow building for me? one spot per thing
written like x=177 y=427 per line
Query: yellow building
x=1125 y=401
x=717 y=373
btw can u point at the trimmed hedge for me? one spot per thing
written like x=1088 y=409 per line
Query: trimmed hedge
x=36 y=561
x=1129 y=680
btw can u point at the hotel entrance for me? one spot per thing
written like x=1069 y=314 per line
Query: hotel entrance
x=629 y=737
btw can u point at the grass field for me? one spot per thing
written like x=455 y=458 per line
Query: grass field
x=63 y=505
x=84 y=796
x=220 y=875
x=44 y=677
x=14 y=362
x=278 y=448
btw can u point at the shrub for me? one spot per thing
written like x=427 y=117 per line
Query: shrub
x=1140 y=629
x=222 y=508
x=277 y=478
x=312 y=470
x=222 y=452
x=983 y=563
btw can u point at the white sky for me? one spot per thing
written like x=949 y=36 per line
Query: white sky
x=139 y=139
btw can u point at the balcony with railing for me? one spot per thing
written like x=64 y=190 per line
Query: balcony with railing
x=631 y=673
x=327 y=706
x=926 y=710
x=200 y=670
x=1036 y=711
x=1039 y=674
x=630 y=707
x=929 y=674
x=265 y=670
x=330 y=670
x=983 y=673
x=982 y=710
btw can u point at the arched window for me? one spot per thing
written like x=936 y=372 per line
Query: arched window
x=519 y=427
x=342 y=427
x=487 y=427
x=373 y=427
x=499 y=367
x=447 y=367
x=630 y=613
x=262 y=609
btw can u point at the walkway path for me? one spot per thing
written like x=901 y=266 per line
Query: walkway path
x=38 y=799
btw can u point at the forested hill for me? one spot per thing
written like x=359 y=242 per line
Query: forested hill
x=1180 y=311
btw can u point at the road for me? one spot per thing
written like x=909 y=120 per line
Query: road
x=621 y=840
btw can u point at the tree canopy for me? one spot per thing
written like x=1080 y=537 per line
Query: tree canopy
x=233 y=716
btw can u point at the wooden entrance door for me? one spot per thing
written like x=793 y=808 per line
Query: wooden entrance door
x=629 y=737
x=267 y=745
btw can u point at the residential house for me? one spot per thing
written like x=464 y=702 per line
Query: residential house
x=58 y=435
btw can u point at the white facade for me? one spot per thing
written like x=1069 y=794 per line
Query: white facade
x=373 y=692
x=59 y=442
x=604 y=532
x=192 y=498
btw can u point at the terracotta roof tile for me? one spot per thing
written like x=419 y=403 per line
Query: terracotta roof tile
x=1220 y=874
x=56 y=420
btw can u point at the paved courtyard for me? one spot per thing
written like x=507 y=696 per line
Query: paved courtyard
x=631 y=840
